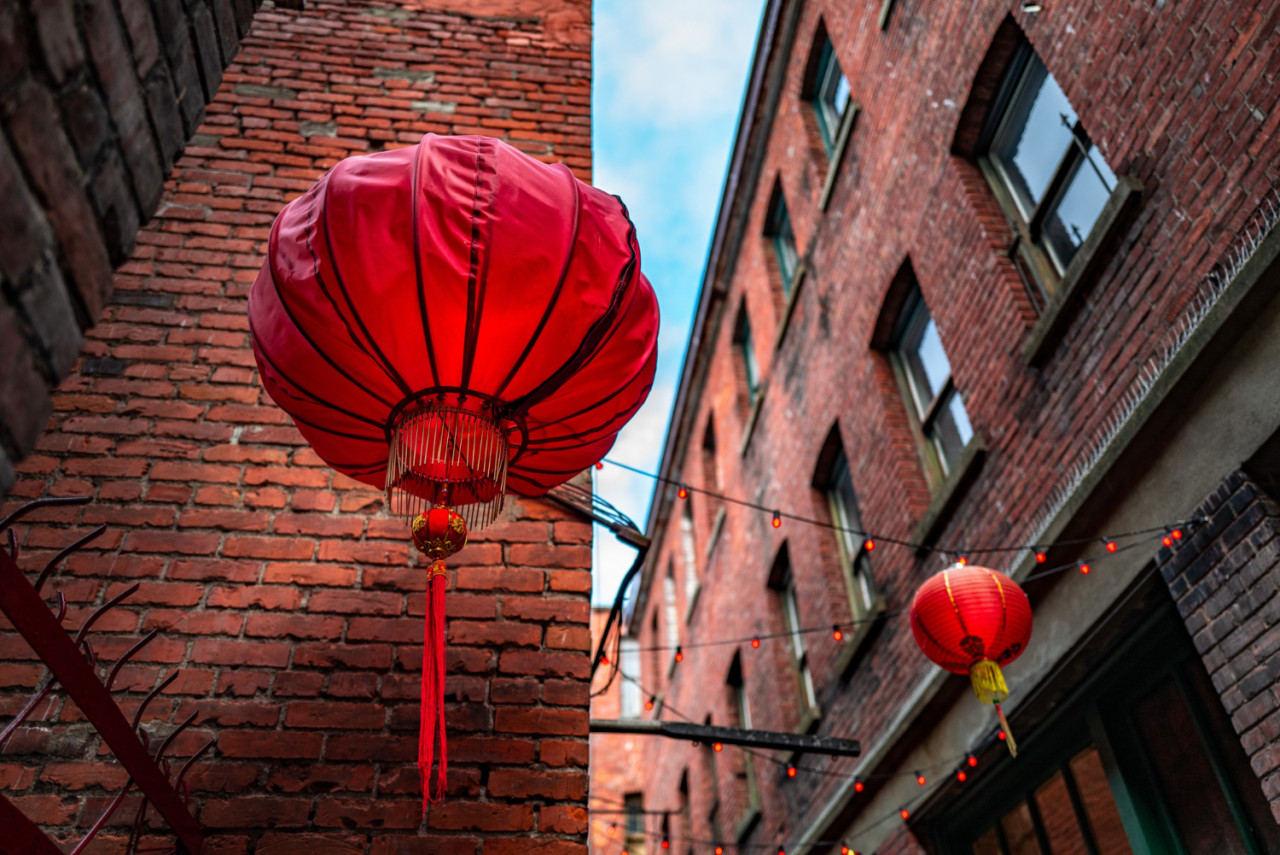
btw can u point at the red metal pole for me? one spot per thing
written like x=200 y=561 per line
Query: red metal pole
x=21 y=604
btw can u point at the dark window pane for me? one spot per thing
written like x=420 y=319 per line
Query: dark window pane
x=1058 y=816
x=926 y=361
x=1195 y=801
x=831 y=95
x=844 y=507
x=1034 y=135
x=1019 y=832
x=987 y=844
x=951 y=431
x=1073 y=216
x=1099 y=806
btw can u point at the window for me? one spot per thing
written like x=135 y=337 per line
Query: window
x=777 y=228
x=854 y=559
x=629 y=671
x=672 y=636
x=781 y=581
x=688 y=555
x=1049 y=177
x=747 y=354
x=925 y=373
x=830 y=94
x=636 y=836
x=748 y=794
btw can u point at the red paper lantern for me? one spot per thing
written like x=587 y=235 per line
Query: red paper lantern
x=972 y=620
x=451 y=321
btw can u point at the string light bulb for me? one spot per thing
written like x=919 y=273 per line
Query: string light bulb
x=679 y=655
x=1084 y=568
x=717 y=746
x=719 y=850
x=604 y=658
x=973 y=761
x=858 y=786
x=1111 y=545
x=648 y=705
x=920 y=779
x=961 y=775
x=683 y=492
x=1176 y=534
x=836 y=633
x=1167 y=540
x=868 y=544
x=962 y=561
x=600 y=465
x=1002 y=736
x=666 y=844
x=1041 y=558
x=904 y=813
x=791 y=770
x=777 y=519
x=755 y=643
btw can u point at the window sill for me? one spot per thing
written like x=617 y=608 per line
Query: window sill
x=837 y=154
x=1084 y=268
x=747 y=824
x=856 y=637
x=752 y=418
x=716 y=527
x=785 y=322
x=693 y=603
x=950 y=492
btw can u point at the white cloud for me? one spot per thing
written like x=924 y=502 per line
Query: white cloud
x=672 y=60
x=668 y=77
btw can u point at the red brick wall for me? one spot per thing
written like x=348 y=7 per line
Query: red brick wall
x=1224 y=582
x=1183 y=99
x=292 y=605
x=617 y=760
x=97 y=99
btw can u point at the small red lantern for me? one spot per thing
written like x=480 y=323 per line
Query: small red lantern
x=972 y=620
x=451 y=321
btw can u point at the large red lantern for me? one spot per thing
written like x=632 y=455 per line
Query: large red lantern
x=973 y=620
x=451 y=321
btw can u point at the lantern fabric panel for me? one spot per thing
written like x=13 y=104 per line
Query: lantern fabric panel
x=964 y=615
x=457 y=266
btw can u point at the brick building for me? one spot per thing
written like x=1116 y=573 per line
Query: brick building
x=291 y=604
x=983 y=274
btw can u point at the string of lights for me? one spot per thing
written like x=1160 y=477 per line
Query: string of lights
x=1084 y=565
x=871 y=539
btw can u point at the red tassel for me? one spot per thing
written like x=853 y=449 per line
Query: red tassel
x=431 y=722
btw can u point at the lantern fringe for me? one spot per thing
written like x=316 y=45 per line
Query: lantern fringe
x=988 y=681
x=431 y=717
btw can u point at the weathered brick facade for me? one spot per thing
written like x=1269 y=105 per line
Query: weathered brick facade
x=290 y=602
x=1116 y=409
x=1225 y=583
x=97 y=101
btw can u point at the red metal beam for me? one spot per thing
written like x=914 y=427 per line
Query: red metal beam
x=21 y=835
x=23 y=606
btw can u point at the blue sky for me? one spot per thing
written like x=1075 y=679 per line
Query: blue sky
x=669 y=78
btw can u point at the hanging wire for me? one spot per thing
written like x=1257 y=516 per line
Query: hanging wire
x=948 y=549
x=1089 y=561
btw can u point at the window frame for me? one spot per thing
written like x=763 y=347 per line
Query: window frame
x=744 y=349
x=780 y=231
x=924 y=415
x=1032 y=251
x=855 y=558
x=830 y=117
